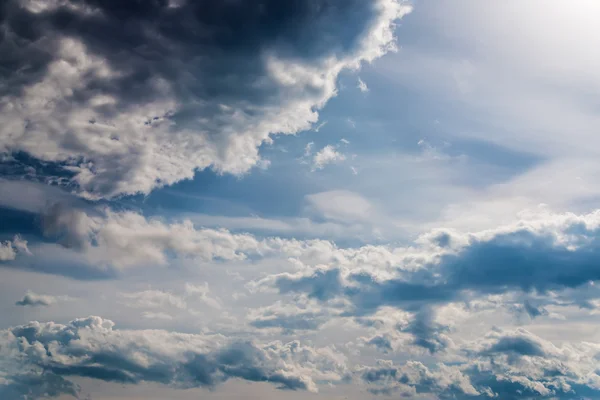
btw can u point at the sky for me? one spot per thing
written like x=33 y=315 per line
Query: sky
x=309 y=199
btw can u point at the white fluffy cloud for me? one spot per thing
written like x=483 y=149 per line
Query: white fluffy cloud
x=327 y=155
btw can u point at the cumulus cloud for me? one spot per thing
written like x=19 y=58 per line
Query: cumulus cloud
x=10 y=249
x=327 y=155
x=503 y=364
x=42 y=355
x=39 y=300
x=124 y=100
x=555 y=252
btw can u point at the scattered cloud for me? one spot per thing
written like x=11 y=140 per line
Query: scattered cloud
x=321 y=125
x=327 y=155
x=362 y=86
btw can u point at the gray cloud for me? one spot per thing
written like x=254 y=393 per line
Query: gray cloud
x=558 y=253
x=38 y=300
x=415 y=378
x=426 y=332
x=167 y=88
x=554 y=254
x=11 y=248
x=46 y=353
x=503 y=364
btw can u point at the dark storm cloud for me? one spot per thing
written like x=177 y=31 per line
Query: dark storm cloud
x=122 y=97
x=222 y=40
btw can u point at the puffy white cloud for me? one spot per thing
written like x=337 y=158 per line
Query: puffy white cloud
x=122 y=120
x=327 y=155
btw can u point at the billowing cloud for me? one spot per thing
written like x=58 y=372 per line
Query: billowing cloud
x=503 y=364
x=124 y=100
x=532 y=255
x=42 y=355
x=552 y=252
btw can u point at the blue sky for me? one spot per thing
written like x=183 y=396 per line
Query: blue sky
x=362 y=199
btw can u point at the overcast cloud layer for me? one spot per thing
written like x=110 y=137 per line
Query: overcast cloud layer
x=330 y=199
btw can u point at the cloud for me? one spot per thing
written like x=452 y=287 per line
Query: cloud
x=202 y=293
x=554 y=252
x=504 y=364
x=427 y=332
x=327 y=155
x=303 y=315
x=121 y=101
x=10 y=249
x=153 y=299
x=124 y=239
x=414 y=377
x=340 y=205
x=45 y=354
x=362 y=86
x=39 y=300
x=308 y=149
x=318 y=127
